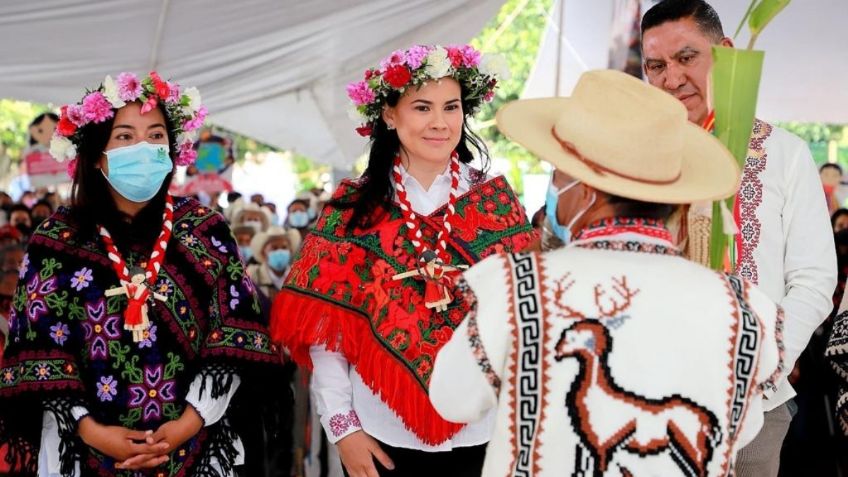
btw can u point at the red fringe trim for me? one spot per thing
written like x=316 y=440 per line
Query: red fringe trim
x=299 y=321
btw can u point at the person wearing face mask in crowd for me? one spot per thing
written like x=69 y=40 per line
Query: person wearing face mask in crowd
x=41 y=211
x=127 y=338
x=20 y=217
x=273 y=251
x=244 y=234
x=298 y=216
x=253 y=215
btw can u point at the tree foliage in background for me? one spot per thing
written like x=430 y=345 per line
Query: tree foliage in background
x=515 y=33
x=15 y=117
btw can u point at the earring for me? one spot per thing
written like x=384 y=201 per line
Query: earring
x=390 y=127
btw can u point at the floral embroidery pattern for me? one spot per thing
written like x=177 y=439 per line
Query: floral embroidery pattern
x=342 y=422
x=59 y=332
x=100 y=328
x=81 y=279
x=152 y=393
x=107 y=388
x=37 y=291
x=148 y=337
x=749 y=198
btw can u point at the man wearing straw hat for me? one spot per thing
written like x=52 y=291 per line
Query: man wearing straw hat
x=785 y=244
x=614 y=355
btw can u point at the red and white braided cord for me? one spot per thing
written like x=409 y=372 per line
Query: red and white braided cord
x=156 y=257
x=410 y=218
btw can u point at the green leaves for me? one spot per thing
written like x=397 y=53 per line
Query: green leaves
x=760 y=13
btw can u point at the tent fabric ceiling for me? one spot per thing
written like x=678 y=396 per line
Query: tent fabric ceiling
x=804 y=73
x=274 y=70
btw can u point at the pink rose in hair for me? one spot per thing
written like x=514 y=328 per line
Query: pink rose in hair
x=455 y=56
x=129 y=87
x=96 y=108
x=470 y=56
x=360 y=93
x=187 y=155
x=149 y=104
x=197 y=120
x=174 y=88
x=72 y=167
x=75 y=114
x=415 y=56
x=396 y=58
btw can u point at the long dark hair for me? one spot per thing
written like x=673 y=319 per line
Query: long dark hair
x=91 y=200
x=375 y=190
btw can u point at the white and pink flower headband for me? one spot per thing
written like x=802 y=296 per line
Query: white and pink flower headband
x=477 y=73
x=183 y=108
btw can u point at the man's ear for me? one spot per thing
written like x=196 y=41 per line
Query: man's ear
x=726 y=41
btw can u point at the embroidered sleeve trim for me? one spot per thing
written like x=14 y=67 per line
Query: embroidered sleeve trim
x=771 y=382
x=343 y=423
x=474 y=337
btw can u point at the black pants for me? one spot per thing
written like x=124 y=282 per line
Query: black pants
x=459 y=462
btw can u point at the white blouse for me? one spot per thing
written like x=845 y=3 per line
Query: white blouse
x=340 y=393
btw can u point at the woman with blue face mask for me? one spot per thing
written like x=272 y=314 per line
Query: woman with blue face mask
x=127 y=333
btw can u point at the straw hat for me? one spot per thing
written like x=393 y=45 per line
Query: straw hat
x=265 y=216
x=624 y=137
x=258 y=242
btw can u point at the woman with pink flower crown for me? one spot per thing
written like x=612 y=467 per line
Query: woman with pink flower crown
x=134 y=323
x=370 y=298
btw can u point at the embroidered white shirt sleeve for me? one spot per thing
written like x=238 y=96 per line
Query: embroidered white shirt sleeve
x=333 y=393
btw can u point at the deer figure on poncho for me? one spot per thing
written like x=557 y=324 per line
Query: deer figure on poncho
x=609 y=418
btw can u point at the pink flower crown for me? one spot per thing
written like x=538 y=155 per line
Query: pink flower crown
x=183 y=108
x=478 y=75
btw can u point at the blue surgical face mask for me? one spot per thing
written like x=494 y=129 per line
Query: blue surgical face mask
x=279 y=259
x=311 y=213
x=563 y=232
x=299 y=219
x=137 y=172
x=246 y=252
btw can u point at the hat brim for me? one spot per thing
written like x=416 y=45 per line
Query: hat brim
x=708 y=170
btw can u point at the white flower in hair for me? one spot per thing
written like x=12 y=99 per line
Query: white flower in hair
x=193 y=99
x=110 y=92
x=437 y=63
x=185 y=137
x=62 y=148
x=494 y=65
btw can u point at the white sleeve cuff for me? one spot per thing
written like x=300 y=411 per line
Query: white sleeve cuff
x=340 y=424
x=79 y=412
x=210 y=409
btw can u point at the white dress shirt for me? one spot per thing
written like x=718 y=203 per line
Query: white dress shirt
x=345 y=403
x=790 y=239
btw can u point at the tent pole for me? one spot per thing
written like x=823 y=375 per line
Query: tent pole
x=160 y=26
x=560 y=39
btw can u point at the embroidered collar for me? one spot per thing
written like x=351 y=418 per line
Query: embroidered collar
x=629 y=234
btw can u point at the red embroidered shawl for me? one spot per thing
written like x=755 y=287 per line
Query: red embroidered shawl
x=340 y=294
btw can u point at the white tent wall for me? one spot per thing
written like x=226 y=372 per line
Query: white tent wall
x=274 y=70
x=805 y=69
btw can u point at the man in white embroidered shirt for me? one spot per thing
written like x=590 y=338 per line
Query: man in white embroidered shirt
x=614 y=355
x=786 y=243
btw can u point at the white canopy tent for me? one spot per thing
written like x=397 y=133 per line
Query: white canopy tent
x=805 y=69
x=273 y=70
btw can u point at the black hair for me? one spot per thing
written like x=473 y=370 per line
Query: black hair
x=700 y=11
x=375 y=189
x=625 y=207
x=38 y=120
x=302 y=202
x=836 y=214
x=831 y=165
x=233 y=196
x=44 y=203
x=91 y=200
